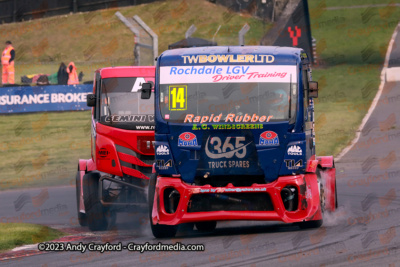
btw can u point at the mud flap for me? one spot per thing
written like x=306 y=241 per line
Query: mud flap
x=312 y=197
x=329 y=178
x=81 y=202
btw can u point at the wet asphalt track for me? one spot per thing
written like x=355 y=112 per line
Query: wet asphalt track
x=363 y=232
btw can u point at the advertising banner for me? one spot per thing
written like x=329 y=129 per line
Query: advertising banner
x=44 y=98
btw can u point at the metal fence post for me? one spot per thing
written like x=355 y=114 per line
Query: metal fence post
x=242 y=32
x=149 y=31
x=15 y=11
x=75 y=6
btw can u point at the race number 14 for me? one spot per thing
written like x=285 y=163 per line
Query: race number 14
x=177 y=97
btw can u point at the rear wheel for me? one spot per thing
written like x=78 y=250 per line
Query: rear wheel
x=159 y=230
x=81 y=216
x=206 y=226
x=99 y=218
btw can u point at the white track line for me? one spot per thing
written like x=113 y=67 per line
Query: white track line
x=376 y=99
x=26 y=247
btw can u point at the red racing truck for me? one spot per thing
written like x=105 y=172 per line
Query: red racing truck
x=122 y=147
x=235 y=139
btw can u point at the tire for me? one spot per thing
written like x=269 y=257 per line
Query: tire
x=310 y=224
x=99 y=218
x=159 y=230
x=206 y=226
x=81 y=216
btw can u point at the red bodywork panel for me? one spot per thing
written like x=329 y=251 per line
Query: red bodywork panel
x=106 y=158
x=87 y=165
x=328 y=173
x=329 y=177
x=326 y=161
x=110 y=160
x=312 y=164
x=307 y=187
x=120 y=72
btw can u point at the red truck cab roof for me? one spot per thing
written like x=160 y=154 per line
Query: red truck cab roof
x=126 y=71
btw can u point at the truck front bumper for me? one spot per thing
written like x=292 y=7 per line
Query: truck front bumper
x=306 y=185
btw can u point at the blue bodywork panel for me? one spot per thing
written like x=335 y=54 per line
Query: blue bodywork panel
x=271 y=149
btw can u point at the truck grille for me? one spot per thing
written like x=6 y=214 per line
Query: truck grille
x=230 y=202
x=224 y=180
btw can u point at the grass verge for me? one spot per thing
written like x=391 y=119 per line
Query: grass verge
x=42 y=148
x=351 y=47
x=17 y=234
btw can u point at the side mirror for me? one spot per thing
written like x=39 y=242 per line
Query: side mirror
x=313 y=89
x=91 y=100
x=146 y=91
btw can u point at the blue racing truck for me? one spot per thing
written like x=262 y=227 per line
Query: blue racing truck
x=235 y=139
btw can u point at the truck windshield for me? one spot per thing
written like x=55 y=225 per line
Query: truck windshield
x=220 y=98
x=122 y=106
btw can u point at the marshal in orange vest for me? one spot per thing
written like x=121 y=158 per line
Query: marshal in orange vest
x=72 y=75
x=7 y=66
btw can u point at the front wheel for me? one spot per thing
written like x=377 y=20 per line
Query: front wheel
x=310 y=224
x=206 y=226
x=99 y=218
x=159 y=230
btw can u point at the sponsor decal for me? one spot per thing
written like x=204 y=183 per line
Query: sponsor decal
x=177 y=97
x=291 y=164
x=227 y=190
x=237 y=148
x=228 y=58
x=138 y=84
x=269 y=138
x=231 y=117
x=103 y=153
x=162 y=150
x=130 y=118
x=225 y=73
x=294 y=151
x=187 y=139
x=226 y=164
x=228 y=127
x=162 y=165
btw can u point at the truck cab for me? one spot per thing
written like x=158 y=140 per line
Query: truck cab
x=235 y=139
x=122 y=146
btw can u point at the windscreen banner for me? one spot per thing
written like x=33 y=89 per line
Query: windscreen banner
x=24 y=99
x=224 y=74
